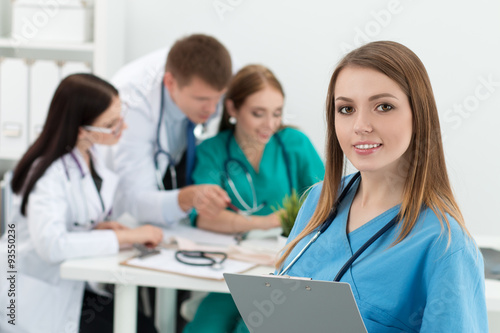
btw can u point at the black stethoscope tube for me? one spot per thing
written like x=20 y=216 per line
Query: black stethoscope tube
x=329 y=221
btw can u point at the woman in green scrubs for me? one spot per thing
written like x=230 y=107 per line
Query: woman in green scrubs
x=258 y=161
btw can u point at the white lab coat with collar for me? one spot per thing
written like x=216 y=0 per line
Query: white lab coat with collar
x=140 y=84
x=47 y=236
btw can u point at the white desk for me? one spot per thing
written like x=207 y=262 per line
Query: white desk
x=126 y=280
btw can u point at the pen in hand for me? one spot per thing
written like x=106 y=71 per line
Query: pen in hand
x=233 y=207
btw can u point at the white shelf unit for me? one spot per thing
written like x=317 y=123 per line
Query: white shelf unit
x=103 y=56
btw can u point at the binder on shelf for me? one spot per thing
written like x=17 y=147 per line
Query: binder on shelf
x=43 y=20
x=43 y=83
x=14 y=101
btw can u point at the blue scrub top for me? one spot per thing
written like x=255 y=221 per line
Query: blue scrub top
x=422 y=284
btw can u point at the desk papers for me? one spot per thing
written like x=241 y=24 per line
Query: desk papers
x=166 y=262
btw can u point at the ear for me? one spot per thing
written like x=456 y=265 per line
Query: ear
x=82 y=134
x=169 y=82
x=231 y=110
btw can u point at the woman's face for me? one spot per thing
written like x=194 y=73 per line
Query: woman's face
x=110 y=120
x=373 y=119
x=259 y=117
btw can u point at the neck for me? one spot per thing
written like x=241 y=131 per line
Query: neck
x=84 y=147
x=252 y=150
x=380 y=189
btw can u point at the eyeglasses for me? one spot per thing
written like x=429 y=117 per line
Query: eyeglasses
x=115 y=130
x=201 y=258
x=105 y=130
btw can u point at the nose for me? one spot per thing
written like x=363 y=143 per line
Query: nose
x=211 y=106
x=363 y=122
x=270 y=122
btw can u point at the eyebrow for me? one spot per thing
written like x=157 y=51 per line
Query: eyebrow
x=372 y=98
x=260 y=108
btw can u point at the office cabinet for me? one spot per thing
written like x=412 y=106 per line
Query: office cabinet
x=43 y=80
x=14 y=101
x=38 y=57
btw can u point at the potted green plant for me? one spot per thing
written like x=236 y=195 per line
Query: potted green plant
x=288 y=211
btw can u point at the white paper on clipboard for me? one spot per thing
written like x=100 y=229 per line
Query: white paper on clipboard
x=166 y=262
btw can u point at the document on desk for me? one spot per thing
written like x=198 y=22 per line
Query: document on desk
x=200 y=236
x=166 y=262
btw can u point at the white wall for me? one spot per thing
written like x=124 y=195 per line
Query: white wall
x=301 y=42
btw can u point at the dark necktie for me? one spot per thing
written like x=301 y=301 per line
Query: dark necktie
x=190 y=152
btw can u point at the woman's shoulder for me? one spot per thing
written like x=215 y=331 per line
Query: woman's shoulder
x=313 y=194
x=291 y=135
x=217 y=141
x=443 y=231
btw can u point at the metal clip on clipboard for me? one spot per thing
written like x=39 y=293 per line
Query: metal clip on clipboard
x=145 y=251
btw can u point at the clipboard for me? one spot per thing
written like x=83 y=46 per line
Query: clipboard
x=165 y=261
x=294 y=305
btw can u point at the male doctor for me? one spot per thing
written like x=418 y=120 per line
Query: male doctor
x=166 y=97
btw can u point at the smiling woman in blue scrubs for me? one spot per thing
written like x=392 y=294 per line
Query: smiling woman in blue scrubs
x=425 y=273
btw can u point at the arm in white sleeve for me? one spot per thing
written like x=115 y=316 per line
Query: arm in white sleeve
x=138 y=192
x=47 y=214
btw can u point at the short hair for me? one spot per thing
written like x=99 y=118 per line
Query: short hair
x=202 y=56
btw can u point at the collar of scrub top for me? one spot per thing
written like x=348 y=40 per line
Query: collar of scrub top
x=199 y=131
x=328 y=222
x=248 y=210
x=77 y=158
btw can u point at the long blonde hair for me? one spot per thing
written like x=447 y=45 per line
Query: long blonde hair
x=426 y=179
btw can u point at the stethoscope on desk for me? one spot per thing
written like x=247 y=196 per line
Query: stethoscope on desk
x=201 y=258
x=254 y=208
x=82 y=194
x=199 y=130
x=326 y=224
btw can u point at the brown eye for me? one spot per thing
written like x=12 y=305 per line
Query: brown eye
x=385 y=107
x=346 y=110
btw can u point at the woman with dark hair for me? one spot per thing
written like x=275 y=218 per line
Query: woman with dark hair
x=397 y=235
x=61 y=211
x=258 y=161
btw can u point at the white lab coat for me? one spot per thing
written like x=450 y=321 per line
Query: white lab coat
x=140 y=84
x=47 y=236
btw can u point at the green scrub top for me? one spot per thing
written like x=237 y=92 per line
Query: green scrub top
x=271 y=183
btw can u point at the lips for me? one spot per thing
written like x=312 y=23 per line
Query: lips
x=368 y=146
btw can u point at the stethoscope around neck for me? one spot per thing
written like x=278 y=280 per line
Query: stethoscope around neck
x=198 y=131
x=86 y=218
x=328 y=222
x=248 y=210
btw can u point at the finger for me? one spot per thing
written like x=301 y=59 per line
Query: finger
x=222 y=194
x=121 y=226
x=218 y=199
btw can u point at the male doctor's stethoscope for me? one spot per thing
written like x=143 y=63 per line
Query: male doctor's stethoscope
x=326 y=224
x=199 y=129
